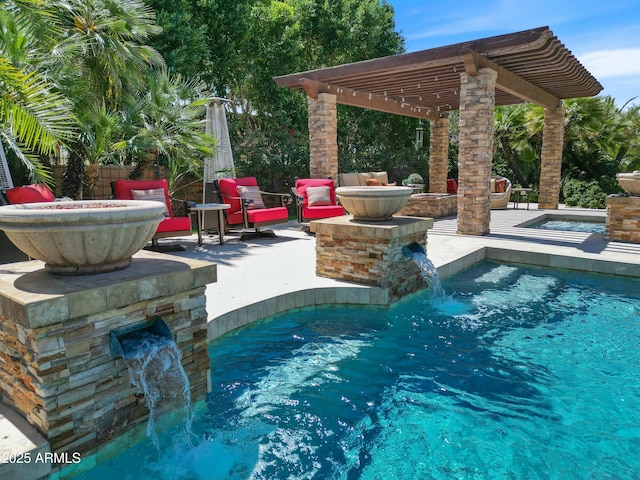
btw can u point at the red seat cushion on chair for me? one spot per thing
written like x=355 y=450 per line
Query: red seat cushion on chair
x=323 y=211
x=267 y=214
x=174 y=224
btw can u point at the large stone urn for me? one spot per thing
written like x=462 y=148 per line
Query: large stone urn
x=630 y=182
x=82 y=237
x=373 y=204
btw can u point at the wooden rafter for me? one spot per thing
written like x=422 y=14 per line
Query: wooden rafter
x=348 y=96
x=532 y=66
x=508 y=81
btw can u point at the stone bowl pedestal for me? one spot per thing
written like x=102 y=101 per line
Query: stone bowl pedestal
x=82 y=237
x=630 y=182
x=373 y=204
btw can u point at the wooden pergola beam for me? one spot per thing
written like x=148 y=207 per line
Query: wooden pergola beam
x=349 y=96
x=508 y=81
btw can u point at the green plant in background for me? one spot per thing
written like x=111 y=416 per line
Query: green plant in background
x=584 y=193
x=413 y=179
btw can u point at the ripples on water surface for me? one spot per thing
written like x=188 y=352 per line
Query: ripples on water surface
x=517 y=374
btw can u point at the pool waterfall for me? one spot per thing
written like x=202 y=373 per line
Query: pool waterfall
x=155 y=367
x=428 y=270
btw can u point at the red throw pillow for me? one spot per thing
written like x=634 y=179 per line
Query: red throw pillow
x=501 y=186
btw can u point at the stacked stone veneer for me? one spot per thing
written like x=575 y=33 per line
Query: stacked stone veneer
x=623 y=218
x=428 y=205
x=551 y=161
x=477 y=101
x=56 y=365
x=439 y=153
x=371 y=253
x=323 y=136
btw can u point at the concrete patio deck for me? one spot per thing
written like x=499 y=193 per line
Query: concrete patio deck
x=261 y=277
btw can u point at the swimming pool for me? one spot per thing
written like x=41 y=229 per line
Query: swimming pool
x=520 y=373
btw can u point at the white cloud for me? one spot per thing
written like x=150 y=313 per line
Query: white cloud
x=612 y=63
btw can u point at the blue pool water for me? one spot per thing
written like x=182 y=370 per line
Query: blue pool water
x=571 y=226
x=518 y=373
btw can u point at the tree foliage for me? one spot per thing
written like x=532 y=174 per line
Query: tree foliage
x=599 y=141
x=252 y=41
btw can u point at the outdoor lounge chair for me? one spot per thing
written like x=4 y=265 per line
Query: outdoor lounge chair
x=157 y=190
x=500 y=192
x=315 y=199
x=248 y=209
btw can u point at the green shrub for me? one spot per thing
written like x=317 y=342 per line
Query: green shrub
x=585 y=194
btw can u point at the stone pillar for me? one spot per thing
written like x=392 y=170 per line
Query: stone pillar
x=439 y=155
x=551 y=163
x=477 y=101
x=623 y=218
x=323 y=136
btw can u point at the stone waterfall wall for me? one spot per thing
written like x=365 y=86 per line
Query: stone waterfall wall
x=56 y=365
x=371 y=253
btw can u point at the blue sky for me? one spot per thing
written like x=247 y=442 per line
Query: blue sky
x=604 y=35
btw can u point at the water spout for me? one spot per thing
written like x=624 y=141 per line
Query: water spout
x=428 y=270
x=409 y=250
x=155 y=367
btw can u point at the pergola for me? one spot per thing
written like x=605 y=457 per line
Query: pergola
x=472 y=77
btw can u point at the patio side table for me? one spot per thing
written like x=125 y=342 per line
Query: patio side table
x=518 y=193
x=200 y=208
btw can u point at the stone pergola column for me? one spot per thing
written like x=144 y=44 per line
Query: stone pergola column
x=439 y=155
x=551 y=162
x=477 y=101
x=323 y=136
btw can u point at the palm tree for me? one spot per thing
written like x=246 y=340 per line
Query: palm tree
x=34 y=116
x=512 y=139
x=167 y=121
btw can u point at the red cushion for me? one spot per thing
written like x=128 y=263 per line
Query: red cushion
x=229 y=192
x=29 y=194
x=174 y=224
x=122 y=189
x=303 y=183
x=452 y=186
x=324 y=211
x=267 y=214
x=45 y=191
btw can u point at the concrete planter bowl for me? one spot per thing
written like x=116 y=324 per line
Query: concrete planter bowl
x=82 y=237
x=373 y=204
x=630 y=182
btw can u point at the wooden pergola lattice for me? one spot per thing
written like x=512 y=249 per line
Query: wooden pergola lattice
x=472 y=77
